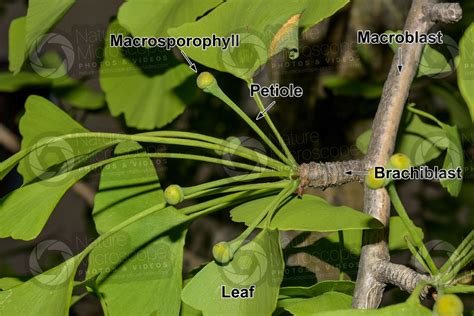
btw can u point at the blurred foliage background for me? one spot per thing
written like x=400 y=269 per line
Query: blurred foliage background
x=342 y=85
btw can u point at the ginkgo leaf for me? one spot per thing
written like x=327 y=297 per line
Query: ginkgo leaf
x=308 y=213
x=465 y=72
x=145 y=92
x=265 y=28
x=143 y=270
x=259 y=263
x=41 y=122
x=48 y=293
x=151 y=18
x=26 y=33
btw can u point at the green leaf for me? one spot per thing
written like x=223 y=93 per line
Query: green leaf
x=454 y=159
x=396 y=238
x=432 y=62
x=16 y=44
x=24 y=211
x=140 y=267
x=126 y=188
x=12 y=83
x=352 y=87
x=40 y=18
x=257 y=25
x=258 y=263
x=465 y=68
x=27 y=32
x=393 y=310
x=146 y=94
x=319 y=10
x=397 y=233
x=148 y=18
x=309 y=213
x=48 y=293
x=346 y=287
x=8 y=283
x=456 y=106
x=420 y=141
x=325 y=302
x=187 y=310
x=73 y=91
x=42 y=121
x=146 y=257
x=81 y=96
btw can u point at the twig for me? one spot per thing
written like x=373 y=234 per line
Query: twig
x=323 y=175
x=11 y=142
x=399 y=275
x=422 y=16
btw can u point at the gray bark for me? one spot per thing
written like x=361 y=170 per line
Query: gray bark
x=421 y=17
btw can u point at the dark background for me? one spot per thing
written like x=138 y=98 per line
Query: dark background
x=322 y=126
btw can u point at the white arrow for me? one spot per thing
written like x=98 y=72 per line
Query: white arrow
x=261 y=114
x=190 y=63
x=355 y=172
x=400 y=63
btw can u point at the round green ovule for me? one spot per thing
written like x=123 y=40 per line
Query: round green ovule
x=400 y=161
x=448 y=305
x=222 y=252
x=205 y=80
x=372 y=182
x=174 y=194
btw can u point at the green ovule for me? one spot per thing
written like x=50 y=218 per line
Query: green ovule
x=399 y=161
x=448 y=305
x=372 y=182
x=222 y=252
x=205 y=80
x=174 y=194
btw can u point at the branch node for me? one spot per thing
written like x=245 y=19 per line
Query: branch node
x=446 y=12
x=403 y=277
x=327 y=174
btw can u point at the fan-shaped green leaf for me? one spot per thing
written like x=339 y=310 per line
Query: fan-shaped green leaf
x=151 y=18
x=325 y=302
x=465 y=69
x=309 y=213
x=142 y=266
x=257 y=263
x=24 y=212
x=26 y=33
x=42 y=121
x=144 y=89
x=48 y=293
